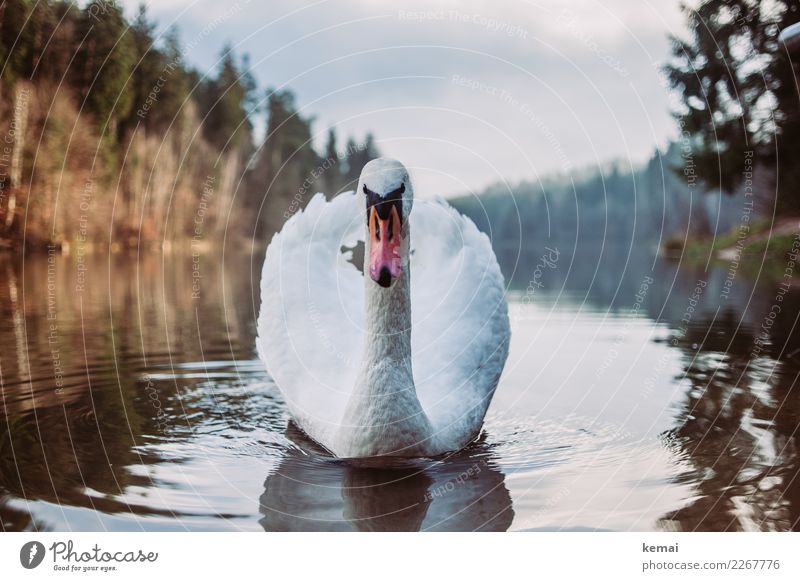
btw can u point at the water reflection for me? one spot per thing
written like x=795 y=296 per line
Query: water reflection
x=92 y=380
x=310 y=491
x=737 y=440
x=138 y=404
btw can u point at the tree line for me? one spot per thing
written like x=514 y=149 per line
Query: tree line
x=614 y=211
x=108 y=136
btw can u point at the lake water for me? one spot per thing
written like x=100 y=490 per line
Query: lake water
x=638 y=395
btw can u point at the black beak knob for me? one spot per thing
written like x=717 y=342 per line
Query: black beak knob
x=385 y=278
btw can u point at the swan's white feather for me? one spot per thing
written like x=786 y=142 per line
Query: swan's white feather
x=311 y=324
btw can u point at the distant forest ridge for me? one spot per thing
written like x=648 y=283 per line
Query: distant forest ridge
x=615 y=204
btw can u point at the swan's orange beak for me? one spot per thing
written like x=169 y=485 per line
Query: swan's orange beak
x=384 y=246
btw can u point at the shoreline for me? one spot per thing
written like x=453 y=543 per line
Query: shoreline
x=762 y=252
x=14 y=248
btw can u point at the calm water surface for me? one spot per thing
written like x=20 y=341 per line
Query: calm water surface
x=635 y=398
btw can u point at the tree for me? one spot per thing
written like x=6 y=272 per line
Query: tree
x=104 y=65
x=16 y=40
x=54 y=25
x=148 y=65
x=175 y=90
x=224 y=103
x=288 y=170
x=333 y=168
x=357 y=157
x=738 y=93
x=159 y=82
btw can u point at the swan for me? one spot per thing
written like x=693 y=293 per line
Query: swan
x=383 y=364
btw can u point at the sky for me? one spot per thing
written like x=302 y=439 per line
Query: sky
x=465 y=93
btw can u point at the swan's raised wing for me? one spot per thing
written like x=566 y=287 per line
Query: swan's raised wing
x=460 y=329
x=310 y=326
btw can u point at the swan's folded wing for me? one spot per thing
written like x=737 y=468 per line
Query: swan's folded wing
x=310 y=326
x=460 y=329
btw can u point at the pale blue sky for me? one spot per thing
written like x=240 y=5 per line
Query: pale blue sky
x=466 y=93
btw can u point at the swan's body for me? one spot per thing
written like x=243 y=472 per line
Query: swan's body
x=400 y=361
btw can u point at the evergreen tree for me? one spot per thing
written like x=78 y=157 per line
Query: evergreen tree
x=288 y=171
x=55 y=26
x=159 y=82
x=357 y=157
x=149 y=64
x=351 y=168
x=333 y=167
x=225 y=100
x=177 y=80
x=738 y=92
x=104 y=64
x=16 y=39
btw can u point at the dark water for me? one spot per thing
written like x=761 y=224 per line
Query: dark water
x=132 y=399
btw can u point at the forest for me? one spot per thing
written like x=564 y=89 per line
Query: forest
x=110 y=138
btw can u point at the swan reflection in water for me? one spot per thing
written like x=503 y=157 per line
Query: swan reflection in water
x=312 y=491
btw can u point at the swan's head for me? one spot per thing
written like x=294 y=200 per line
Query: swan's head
x=387 y=194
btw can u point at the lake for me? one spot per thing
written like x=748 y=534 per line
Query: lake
x=639 y=395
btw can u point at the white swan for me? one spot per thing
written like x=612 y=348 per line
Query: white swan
x=384 y=364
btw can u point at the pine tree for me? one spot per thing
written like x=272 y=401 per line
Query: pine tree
x=104 y=65
x=175 y=90
x=333 y=166
x=148 y=66
x=357 y=157
x=16 y=40
x=54 y=44
x=738 y=92
x=288 y=171
x=225 y=100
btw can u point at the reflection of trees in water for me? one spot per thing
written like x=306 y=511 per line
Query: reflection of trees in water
x=91 y=442
x=738 y=436
x=136 y=336
x=738 y=426
x=71 y=456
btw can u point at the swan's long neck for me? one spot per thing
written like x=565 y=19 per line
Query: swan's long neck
x=387 y=341
x=384 y=416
